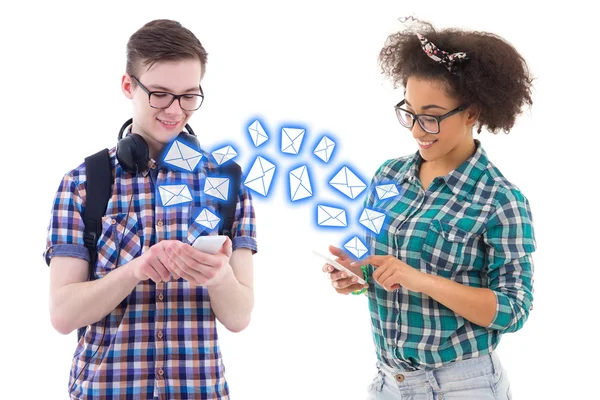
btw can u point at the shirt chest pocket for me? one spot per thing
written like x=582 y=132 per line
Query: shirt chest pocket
x=119 y=237
x=444 y=245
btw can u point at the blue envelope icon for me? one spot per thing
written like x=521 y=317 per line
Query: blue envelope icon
x=324 y=149
x=386 y=191
x=207 y=219
x=300 y=183
x=217 y=187
x=348 y=183
x=257 y=133
x=291 y=140
x=356 y=247
x=372 y=220
x=182 y=156
x=171 y=195
x=260 y=176
x=224 y=154
x=331 y=216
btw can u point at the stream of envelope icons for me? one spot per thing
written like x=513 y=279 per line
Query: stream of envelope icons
x=260 y=177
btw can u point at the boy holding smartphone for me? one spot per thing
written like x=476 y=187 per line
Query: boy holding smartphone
x=149 y=314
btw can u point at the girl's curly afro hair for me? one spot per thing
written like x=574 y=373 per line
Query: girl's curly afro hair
x=495 y=79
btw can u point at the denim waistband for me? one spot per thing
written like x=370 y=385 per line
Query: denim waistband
x=488 y=364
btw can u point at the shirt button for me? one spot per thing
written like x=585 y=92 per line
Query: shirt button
x=160 y=222
x=395 y=311
x=153 y=166
x=160 y=334
x=440 y=397
x=399 y=378
x=113 y=221
x=161 y=372
x=50 y=250
x=161 y=297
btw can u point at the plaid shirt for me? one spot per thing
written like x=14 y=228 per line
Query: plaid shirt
x=471 y=226
x=161 y=341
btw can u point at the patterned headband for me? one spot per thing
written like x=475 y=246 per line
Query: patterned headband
x=440 y=56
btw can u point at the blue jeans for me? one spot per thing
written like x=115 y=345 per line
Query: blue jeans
x=478 y=378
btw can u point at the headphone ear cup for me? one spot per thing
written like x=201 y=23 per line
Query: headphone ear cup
x=133 y=153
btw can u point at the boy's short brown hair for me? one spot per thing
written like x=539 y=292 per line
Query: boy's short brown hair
x=162 y=40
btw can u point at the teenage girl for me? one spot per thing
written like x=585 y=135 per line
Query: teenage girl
x=451 y=270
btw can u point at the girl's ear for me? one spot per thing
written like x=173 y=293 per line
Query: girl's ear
x=472 y=115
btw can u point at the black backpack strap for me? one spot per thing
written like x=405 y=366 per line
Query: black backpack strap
x=227 y=209
x=98 y=171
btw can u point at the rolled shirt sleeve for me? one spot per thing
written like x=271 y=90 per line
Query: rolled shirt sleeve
x=244 y=226
x=510 y=240
x=66 y=227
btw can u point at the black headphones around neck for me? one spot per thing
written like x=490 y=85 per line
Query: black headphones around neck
x=132 y=150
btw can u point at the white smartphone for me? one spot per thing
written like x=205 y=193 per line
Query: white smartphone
x=209 y=244
x=339 y=266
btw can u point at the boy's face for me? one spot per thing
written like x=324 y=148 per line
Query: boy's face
x=161 y=126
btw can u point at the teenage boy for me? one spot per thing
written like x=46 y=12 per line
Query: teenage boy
x=149 y=311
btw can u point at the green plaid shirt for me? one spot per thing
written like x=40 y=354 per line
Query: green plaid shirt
x=471 y=226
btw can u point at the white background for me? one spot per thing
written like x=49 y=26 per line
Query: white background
x=311 y=63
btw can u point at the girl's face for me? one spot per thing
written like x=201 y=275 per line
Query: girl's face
x=455 y=138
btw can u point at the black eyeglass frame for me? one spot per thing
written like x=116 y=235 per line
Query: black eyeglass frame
x=173 y=96
x=415 y=117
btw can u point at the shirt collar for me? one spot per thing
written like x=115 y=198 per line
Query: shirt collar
x=460 y=180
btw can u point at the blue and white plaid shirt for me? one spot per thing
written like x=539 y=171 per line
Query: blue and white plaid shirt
x=161 y=341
